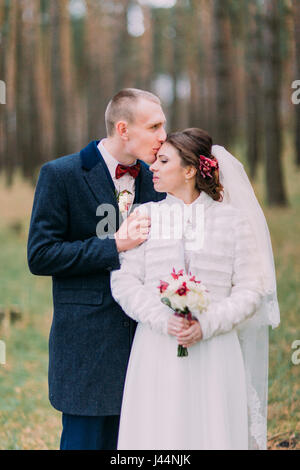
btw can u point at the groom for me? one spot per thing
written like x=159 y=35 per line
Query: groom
x=91 y=336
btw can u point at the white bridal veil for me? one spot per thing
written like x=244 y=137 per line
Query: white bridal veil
x=253 y=333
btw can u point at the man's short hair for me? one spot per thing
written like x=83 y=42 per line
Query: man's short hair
x=121 y=106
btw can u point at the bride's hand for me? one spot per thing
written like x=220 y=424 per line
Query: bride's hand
x=177 y=324
x=191 y=335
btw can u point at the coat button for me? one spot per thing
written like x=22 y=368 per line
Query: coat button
x=126 y=324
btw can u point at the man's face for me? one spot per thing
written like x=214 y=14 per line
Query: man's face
x=147 y=133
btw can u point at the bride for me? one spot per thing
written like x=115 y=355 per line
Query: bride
x=216 y=397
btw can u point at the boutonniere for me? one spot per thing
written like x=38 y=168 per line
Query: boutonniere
x=125 y=199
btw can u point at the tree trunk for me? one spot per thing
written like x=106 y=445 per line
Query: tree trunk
x=207 y=77
x=122 y=51
x=253 y=65
x=96 y=70
x=176 y=70
x=272 y=85
x=63 y=91
x=42 y=89
x=223 y=71
x=30 y=128
x=2 y=68
x=145 y=52
x=11 y=86
x=296 y=15
x=194 y=58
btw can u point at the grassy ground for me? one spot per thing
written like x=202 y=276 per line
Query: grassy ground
x=27 y=421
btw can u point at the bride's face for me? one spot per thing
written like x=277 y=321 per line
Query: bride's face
x=168 y=174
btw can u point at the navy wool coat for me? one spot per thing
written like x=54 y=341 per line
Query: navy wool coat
x=91 y=336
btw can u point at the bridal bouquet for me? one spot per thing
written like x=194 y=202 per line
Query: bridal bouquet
x=185 y=295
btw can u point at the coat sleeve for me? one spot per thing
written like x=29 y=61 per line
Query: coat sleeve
x=246 y=294
x=48 y=250
x=137 y=301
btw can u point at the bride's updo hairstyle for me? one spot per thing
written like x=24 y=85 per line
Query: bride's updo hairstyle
x=190 y=144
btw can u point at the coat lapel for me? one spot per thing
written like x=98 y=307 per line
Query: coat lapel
x=99 y=181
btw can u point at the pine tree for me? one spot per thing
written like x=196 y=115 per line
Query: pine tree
x=272 y=93
x=296 y=16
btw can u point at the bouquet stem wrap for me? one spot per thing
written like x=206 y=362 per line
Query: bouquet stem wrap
x=182 y=351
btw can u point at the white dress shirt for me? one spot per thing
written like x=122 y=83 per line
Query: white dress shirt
x=126 y=182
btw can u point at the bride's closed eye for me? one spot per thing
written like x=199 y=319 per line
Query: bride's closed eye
x=162 y=159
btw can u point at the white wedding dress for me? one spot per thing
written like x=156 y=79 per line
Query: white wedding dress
x=198 y=401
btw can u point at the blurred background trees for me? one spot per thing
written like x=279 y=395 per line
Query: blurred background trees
x=296 y=15
x=224 y=65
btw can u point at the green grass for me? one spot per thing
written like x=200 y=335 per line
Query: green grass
x=284 y=392
x=27 y=421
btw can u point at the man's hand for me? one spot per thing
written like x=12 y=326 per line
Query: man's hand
x=133 y=232
x=191 y=335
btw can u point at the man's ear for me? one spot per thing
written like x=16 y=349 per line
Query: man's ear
x=122 y=129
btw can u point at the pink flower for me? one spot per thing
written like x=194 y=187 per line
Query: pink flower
x=183 y=290
x=193 y=279
x=163 y=286
x=176 y=275
x=206 y=165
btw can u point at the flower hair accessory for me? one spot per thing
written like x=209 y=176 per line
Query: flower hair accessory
x=206 y=165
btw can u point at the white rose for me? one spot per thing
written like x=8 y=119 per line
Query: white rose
x=178 y=302
x=192 y=302
x=197 y=301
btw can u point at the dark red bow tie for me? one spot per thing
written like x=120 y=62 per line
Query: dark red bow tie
x=132 y=170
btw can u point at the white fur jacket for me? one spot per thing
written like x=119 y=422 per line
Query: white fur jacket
x=216 y=245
